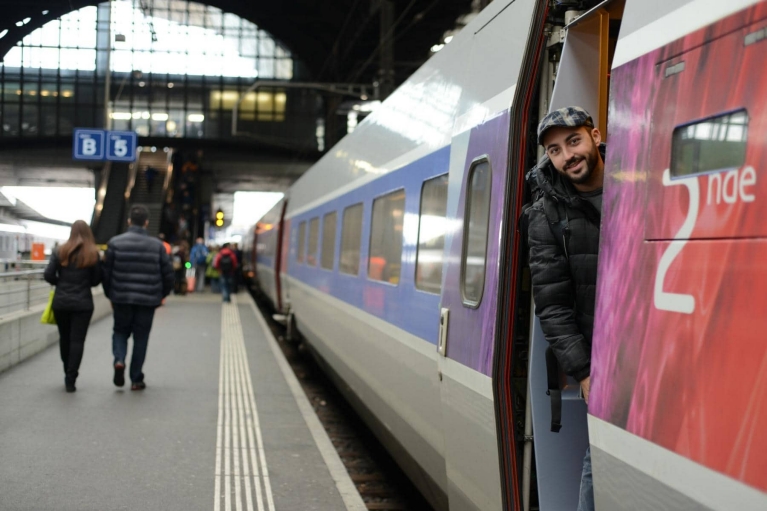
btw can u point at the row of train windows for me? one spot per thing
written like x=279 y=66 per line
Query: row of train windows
x=386 y=236
x=6 y=243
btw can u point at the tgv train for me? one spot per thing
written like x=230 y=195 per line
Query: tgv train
x=397 y=257
x=16 y=240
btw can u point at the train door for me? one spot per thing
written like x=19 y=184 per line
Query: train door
x=280 y=262
x=552 y=479
x=475 y=206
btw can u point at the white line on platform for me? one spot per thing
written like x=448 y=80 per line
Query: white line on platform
x=239 y=443
x=346 y=488
x=219 y=425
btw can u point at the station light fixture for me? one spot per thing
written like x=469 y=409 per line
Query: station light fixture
x=219 y=218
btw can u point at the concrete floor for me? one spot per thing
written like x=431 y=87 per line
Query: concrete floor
x=104 y=448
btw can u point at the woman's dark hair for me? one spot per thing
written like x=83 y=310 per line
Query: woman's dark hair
x=80 y=249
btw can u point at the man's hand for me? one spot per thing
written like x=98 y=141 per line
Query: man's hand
x=585 y=388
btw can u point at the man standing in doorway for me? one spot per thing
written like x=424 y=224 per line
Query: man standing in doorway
x=563 y=236
x=197 y=257
x=226 y=263
x=137 y=276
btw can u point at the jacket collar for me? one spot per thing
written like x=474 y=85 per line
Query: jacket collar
x=137 y=230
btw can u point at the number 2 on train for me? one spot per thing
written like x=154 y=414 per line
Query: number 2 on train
x=676 y=302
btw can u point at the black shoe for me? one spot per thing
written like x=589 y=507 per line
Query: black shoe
x=70 y=386
x=119 y=378
x=138 y=385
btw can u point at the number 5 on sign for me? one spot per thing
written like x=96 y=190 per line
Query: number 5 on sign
x=121 y=146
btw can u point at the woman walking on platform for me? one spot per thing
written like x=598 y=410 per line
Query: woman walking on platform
x=74 y=268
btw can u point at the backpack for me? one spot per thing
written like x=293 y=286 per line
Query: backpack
x=199 y=254
x=226 y=264
x=559 y=227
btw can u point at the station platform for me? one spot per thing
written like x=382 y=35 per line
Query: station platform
x=222 y=425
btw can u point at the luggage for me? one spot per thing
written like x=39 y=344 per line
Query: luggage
x=190 y=280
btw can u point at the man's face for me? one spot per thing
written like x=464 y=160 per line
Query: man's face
x=574 y=152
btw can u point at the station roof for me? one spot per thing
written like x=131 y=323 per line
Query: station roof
x=337 y=40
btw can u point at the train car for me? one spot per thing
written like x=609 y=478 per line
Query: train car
x=16 y=239
x=263 y=255
x=398 y=257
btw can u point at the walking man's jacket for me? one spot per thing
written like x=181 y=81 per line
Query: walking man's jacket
x=137 y=269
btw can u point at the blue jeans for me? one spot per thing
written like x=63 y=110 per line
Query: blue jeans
x=136 y=320
x=227 y=284
x=586 y=498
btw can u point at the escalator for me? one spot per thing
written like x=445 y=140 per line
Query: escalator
x=123 y=185
x=149 y=186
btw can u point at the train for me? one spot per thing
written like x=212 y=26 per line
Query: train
x=16 y=240
x=398 y=259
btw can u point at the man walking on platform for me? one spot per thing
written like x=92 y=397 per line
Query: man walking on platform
x=226 y=263
x=137 y=276
x=198 y=257
x=563 y=236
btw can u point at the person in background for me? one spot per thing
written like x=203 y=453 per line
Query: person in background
x=237 y=275
x=226 y=263
x=74 y=268
x=198 y=258
x=137 y=276
x=149 y=175
x=180 y=258
x=211 y=272
x=168 y=248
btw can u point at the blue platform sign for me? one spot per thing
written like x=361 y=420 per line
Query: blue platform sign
x=88 y=144
x=121 y=145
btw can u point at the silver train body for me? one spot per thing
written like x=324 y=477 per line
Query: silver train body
x=397 y=259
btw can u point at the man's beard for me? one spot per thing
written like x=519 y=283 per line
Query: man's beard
x=591 y=164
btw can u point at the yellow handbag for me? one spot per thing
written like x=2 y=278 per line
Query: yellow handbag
x=47 y=317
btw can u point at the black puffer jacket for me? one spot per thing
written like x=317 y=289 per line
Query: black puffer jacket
x=564 y=272
x=137 y=270
x=73 y=285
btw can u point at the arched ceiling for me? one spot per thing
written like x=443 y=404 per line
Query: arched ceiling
x=337 y=40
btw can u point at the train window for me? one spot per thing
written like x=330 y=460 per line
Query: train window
x=314 y=238
x=385 y=258
x=351 y=239
x=328 y=240
x=431 y=235
x=712 y=144
x=475 y=233
x=301 y=242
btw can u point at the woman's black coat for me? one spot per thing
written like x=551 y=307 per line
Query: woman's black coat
x=73 y=285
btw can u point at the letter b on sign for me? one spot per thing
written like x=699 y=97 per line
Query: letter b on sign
x=88 y=144
x=89 y=147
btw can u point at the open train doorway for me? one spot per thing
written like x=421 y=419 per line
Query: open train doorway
x=542 y=467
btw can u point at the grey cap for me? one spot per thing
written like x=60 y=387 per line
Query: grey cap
x=569 y=116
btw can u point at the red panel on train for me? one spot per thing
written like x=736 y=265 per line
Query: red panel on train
x=679 y=347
